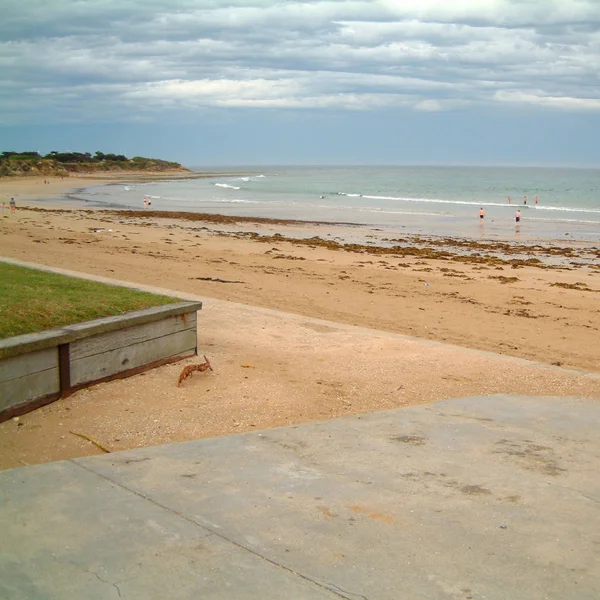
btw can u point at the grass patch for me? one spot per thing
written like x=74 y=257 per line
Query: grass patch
x=32 y=300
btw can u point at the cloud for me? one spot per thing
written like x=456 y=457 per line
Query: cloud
x=429 y=105
x=540 y=99
x=117 y=59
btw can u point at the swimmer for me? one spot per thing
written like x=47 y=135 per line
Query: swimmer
x=509 y=200
x=518 y=216
x=481 y=213
x=524 y=199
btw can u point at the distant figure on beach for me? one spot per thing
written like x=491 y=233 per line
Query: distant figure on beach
x=518 y=216
x=481 y=213
x=524 y=199
x=145 y=201
x=3 y=207
x=13 y=205
x=536 y=200
x=509 y=200
x=149 y=203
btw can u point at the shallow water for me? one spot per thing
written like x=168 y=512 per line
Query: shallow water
x=415 y=200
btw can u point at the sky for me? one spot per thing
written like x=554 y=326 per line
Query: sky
x=252 y=82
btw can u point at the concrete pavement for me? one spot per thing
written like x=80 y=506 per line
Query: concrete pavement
x=494 y=497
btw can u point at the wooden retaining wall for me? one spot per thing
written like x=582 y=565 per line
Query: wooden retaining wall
x=36 y=369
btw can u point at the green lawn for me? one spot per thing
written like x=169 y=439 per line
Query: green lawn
x=32 y=300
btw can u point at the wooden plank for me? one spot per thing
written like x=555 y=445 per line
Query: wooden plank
x=130 y=357
x=46 y=339
x=26 y=388
x=16 y=367
x=136 y=317
x=22 y=409
x=129 y=372
x=99 y=344
x=31 y=342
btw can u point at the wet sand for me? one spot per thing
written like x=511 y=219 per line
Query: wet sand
x=57 y=188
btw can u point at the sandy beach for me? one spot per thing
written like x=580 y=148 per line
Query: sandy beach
x=538 y=304
x=25 y=188
x=29 y=188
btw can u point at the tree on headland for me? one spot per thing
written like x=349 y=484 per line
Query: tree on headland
x=23 y=154
x=83 y=157
x=115 y=157
x=70 y=157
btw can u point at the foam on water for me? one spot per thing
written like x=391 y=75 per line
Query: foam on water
x=439 y=201
x=226 y=185
x=568 y=209
x=235 y=201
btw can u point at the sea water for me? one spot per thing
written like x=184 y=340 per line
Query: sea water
x=412 y=200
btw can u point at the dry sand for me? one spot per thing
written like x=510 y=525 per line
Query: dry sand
x=24 y=188
x=276 y=369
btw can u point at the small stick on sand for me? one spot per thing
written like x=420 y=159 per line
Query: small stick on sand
x=89 y=439
x=189 y=369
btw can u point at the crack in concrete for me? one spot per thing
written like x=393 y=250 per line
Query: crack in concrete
x=105 y=581
x=329 y=587
x=97 y=576
x=564 y=487
x=590 y=498
x=345 y=593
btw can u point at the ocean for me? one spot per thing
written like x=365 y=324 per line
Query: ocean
x=440 y=201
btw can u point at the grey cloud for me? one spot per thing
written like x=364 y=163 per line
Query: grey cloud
x=138 y=57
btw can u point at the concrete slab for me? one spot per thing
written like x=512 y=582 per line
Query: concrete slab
x=68 y=533
x=488 y=497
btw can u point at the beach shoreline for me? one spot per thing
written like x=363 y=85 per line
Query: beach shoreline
x=54 y=189
x=128 y=192
x=537 y=302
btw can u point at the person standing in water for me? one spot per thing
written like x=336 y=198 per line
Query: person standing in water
x=518 y=216
x=481 y=213
x=509 y=200
x=524 y=199
x=536 y=200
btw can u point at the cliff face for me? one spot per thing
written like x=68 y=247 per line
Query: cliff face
x=19 y=167
x=41 y=166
